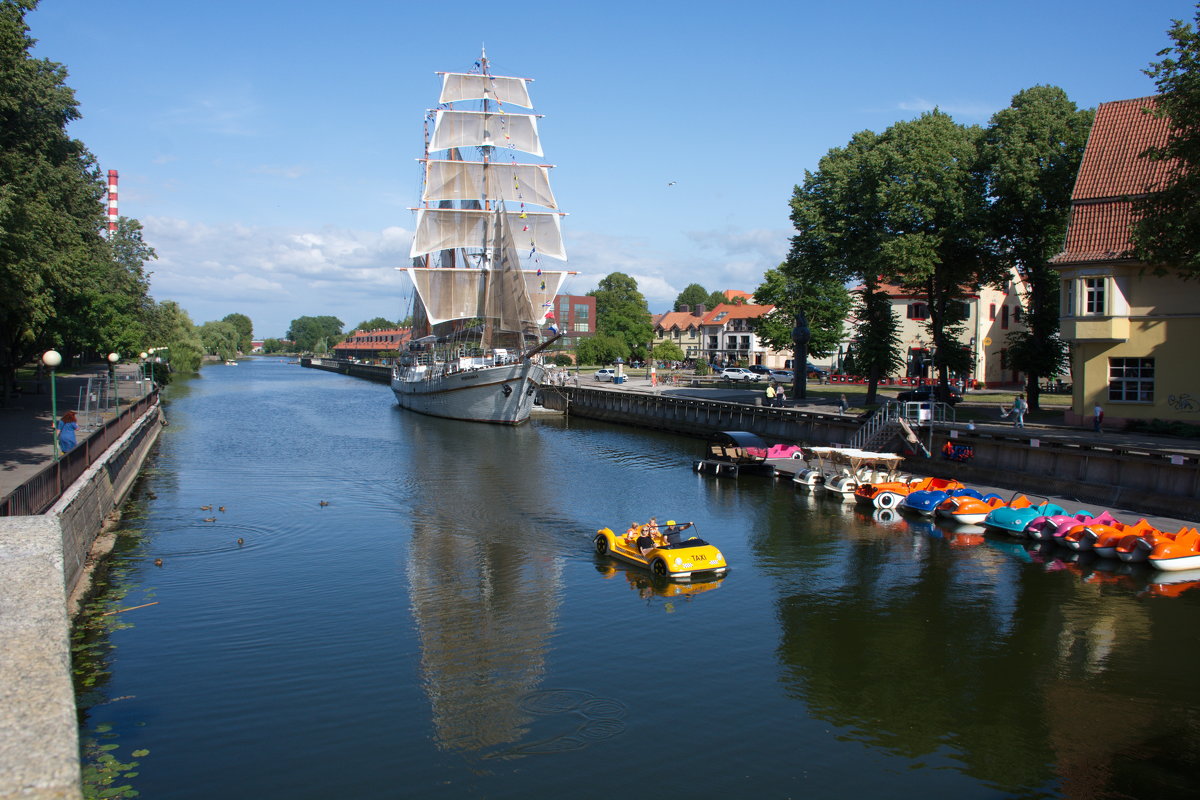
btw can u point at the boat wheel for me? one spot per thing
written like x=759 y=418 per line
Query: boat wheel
x=659 y=567
x=601 y=545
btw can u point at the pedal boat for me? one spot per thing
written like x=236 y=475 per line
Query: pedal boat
x=1043 y=528
x=1013 y=521
x=1083 y=537
x=968 y=510
x=890 y=494
x=1170 y=552
x=1103 y=518
x=674 y=556
x=855 y=467
x=926 y=501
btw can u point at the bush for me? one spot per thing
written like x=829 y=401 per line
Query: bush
x=562 y=360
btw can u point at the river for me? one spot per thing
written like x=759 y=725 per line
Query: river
x=390 y=605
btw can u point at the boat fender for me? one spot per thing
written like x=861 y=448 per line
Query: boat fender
x=887 y=500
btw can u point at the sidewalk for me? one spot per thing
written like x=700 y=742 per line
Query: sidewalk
x=26 y=427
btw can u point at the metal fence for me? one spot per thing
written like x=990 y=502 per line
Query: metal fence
x=39 y=493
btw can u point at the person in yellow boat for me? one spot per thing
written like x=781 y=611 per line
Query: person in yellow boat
x=649 y=538
x=674 y=531
x=631 y=535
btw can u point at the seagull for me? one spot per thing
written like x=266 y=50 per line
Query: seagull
x=672 y=183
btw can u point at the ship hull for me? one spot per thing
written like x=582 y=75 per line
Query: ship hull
x=501 y=395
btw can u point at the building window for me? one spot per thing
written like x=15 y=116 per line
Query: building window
x=581 y=311
x=1131 y=380
x=1017 y=314
x=1004 y=317
x=992 y=312
x=918 y=311
x=1093 y=295
x=1068 y=298
x=581 y=327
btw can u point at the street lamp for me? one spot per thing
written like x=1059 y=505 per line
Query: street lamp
x=142 y=369
x=52 y=359
x=113 y=358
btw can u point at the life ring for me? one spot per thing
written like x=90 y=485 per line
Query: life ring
x=887 y=500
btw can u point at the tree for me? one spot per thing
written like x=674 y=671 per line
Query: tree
x=1032 y=151
x=693 y=295
x=715 y=299
x=174 y=337
x=50 y=190
x=272 y=345
x=667 y=350
x=621 y=312
x=220 y=339
x=825 y=300
x=310 y=332
x=1166 y=234
x=376 y=324
x=935 y=214
x=245 y=331
x=601 y=348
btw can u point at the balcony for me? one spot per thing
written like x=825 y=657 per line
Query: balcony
x=1095 y=329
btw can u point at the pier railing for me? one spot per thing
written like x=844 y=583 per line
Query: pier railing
x=40 y=492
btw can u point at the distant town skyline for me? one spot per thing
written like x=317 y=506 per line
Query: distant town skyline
x=273 y=171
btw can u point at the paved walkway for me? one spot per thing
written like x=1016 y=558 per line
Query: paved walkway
x=26 y=427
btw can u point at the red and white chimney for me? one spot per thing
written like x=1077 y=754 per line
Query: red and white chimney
x=112 y=201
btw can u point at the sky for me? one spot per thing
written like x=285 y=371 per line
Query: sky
x=269 y=147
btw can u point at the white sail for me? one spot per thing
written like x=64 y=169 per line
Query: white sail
x=450 y=294
x=458 y=86
x=448 y=228
x=474 y=180
x=485 y=129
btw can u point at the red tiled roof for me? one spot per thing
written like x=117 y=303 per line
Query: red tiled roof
x=736 y=311
x=734 y=294
x=1112 y=171
x=678 y=319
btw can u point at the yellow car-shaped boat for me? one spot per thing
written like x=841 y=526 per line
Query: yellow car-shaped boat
x=675 y=554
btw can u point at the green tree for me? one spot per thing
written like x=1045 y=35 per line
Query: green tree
x=825 y=300
x=840 y=229
x=173 y=337
x=245 y=331
x=667 y=351
x=310 y=332
x=50 y=191
x=875 y=343
x=376 y=324
x=220 y=339
x=692 y=295
x=1166 y=234
x=272 y=345
x=601 y=348
x=1032 y=151
x=936 y=215
x=621 y=312
x=715 y=299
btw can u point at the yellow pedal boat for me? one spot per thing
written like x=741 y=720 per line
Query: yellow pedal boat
x=675 y=554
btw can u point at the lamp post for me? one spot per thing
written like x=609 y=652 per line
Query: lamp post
x=52 y=359
x=113 y=358
x=142 y=370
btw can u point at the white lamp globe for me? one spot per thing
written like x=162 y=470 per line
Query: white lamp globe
x=51 y=358
x=113 y=358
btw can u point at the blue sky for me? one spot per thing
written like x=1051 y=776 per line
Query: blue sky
x=269 y=147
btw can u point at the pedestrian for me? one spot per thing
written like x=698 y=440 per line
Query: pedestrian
x=1097 y=417
x=843 y=404
x=66 y=431
x=1019 y=407
x=780 y=395
x=771 y=393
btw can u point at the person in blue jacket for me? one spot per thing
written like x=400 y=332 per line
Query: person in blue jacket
x=66 y=432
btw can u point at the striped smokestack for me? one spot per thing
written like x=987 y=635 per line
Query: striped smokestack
x=112 y=200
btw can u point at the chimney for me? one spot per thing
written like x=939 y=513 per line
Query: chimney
x=684 y=307
x=701 y=309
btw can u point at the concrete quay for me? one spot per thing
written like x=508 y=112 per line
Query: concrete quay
x=43 y=559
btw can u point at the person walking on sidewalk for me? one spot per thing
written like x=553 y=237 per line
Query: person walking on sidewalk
x=1019 y=407
x=66 y=431
x=1097 y=417
x=843 y=405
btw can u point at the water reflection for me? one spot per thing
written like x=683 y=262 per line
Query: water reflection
x=483 y=585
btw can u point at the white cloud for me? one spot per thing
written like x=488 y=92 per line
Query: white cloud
x=970 y=110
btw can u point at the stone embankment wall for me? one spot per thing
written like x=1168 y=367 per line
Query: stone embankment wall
x=371 y=372
x=1150 y=482
x=44 y=558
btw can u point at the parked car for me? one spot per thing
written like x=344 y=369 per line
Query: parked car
x=782 y=375
x=816 y=372
x=759 y=369
x=606 y=374
x=930 y=392
x=739 y=374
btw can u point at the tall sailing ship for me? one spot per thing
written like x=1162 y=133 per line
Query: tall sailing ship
x=481 y=296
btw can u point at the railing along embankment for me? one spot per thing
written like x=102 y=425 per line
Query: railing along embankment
x=371 y=372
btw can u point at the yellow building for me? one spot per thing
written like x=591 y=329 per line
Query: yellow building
x=1134 y=336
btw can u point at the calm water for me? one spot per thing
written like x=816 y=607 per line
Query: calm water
x=442 y=629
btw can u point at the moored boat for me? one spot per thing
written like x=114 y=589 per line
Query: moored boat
x=926 y=501
x=967 y=510
x=1170 y=552
x=1014 y=521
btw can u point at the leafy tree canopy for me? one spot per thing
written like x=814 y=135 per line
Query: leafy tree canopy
x=621 y=312
x=220 y=339
x=310 y=332
x=1167 y=234
x=667 y=350
x=245 y=330
x=376 y=324
x=825 y=301
x=602 y=348
x=693 y=294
